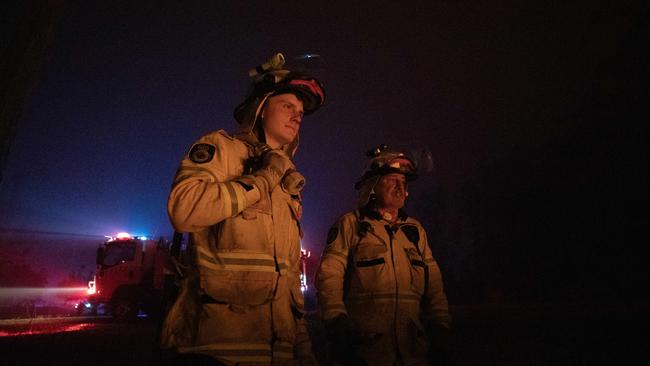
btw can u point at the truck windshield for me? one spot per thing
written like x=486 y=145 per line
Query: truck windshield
x=118 y=252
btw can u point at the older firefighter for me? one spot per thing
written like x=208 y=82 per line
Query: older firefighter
x=379 y=289
x=239 y=198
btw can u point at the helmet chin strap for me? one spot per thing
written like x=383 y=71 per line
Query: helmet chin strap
x=259 y=112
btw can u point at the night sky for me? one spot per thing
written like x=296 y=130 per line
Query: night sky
x=534 y=116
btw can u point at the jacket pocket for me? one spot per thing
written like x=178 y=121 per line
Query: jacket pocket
x=417 y=338
x=370 y=263
x=240 y=287
x=417 y=268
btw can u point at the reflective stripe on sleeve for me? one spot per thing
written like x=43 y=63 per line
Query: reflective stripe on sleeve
x=236 y=197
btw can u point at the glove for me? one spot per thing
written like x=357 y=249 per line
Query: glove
x=275 y=164
x=304 y=354
x=346 y=338
x=293 y=182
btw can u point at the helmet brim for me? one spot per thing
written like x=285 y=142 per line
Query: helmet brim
x=308 y=90
x=399 y=164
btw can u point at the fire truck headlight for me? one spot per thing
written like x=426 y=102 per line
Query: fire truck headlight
x=91 y=288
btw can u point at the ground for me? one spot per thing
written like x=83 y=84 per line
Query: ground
x=522 y=334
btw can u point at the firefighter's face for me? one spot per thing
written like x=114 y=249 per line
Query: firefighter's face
x=281 y=119
x=391 y=191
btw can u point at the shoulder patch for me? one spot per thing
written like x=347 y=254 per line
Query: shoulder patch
x=332 y=234
x=202 y=153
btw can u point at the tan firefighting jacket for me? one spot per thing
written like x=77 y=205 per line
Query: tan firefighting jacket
x=386 y=280
x=240 y=299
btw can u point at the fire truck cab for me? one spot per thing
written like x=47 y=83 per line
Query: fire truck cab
x=129 y=276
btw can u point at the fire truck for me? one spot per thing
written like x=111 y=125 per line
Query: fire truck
x=129 y=277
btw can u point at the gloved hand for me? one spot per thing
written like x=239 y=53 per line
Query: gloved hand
x=345 y=339
x=275 y=164
x=304 y=354
x=293 y=182
x=272 y=166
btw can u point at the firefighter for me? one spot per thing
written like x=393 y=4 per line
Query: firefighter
x=379 y=288
x=239 y=197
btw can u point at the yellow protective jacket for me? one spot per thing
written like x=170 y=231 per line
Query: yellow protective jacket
x=387 y=282
x=240 y=300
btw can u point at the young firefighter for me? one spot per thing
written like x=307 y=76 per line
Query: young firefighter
x=239 y=198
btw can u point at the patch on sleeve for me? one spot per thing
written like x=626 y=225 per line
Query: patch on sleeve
x=201 y=153
x=332 y=234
